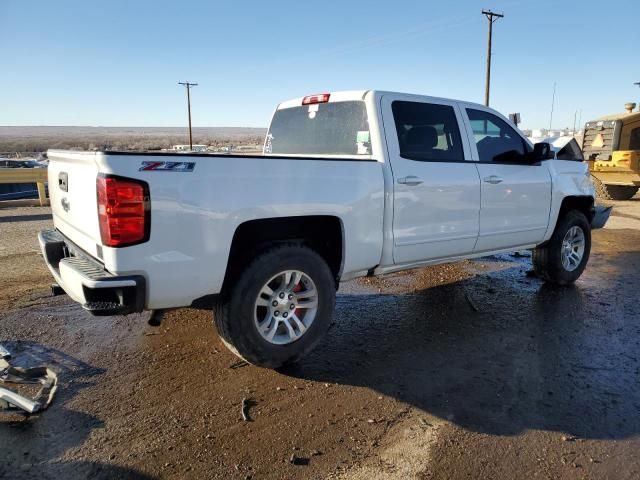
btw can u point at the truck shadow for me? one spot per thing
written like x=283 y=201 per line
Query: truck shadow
x=498 y=353
x=30 y=445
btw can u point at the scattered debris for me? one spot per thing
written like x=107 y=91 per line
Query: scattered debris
x=425 y=423
x=238 y=364
x=470 y=301
x=244 y=410
x=295 y=460
x=12 y=401
x=316 y=453
x=4 y=353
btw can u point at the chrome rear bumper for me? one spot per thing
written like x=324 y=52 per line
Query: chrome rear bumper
x=87 y=282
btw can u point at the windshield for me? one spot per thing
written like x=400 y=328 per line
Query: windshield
x=339 y=128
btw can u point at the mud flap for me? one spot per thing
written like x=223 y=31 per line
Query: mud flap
x=600 y=216
x=11 y=401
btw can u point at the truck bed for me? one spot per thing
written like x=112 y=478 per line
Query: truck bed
x=199 y=200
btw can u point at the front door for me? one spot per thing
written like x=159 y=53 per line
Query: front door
x=516 y=194
x=436 y=190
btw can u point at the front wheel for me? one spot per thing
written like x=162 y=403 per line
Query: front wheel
x=279 y=308
x=564 y=257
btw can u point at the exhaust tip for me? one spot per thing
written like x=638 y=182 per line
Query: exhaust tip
x=155 y=320
x=57 y=290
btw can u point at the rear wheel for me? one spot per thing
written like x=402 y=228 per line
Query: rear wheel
x=564 y=257
x=279 y=308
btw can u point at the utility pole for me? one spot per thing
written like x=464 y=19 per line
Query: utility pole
x=492 y=17
x=189 y=85
x=553 y=101
x=580 y=120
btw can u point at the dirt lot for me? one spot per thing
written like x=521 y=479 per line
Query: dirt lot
x=472 y=370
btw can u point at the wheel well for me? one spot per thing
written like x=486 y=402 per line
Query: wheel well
x=321 y=233
x=582 y=204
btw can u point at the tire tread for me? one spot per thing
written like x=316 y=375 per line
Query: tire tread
x=546 y=259
x=239 y=343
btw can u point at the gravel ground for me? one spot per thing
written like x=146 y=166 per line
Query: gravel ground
x=469 y=370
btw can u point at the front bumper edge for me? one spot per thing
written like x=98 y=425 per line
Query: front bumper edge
x=600 y=216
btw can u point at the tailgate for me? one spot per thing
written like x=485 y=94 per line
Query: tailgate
x=72 y=190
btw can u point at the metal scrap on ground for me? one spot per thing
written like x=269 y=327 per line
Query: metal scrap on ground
x=11 y=401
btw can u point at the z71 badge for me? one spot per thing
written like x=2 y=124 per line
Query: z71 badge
x=167 y=166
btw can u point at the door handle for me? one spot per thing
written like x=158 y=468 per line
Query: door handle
x=410 y=180
x=493 y=179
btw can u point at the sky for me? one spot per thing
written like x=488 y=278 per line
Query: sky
x=117 y=62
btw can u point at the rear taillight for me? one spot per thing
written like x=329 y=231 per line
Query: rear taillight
x=313 y=99
x=123 y=211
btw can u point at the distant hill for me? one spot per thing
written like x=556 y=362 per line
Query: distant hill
x=37 y=139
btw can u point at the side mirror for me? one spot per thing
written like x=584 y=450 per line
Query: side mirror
x=542 y=151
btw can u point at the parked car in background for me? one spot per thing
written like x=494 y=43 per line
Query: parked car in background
x=15 y=163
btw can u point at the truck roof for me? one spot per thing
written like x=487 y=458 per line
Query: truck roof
x=345 y=95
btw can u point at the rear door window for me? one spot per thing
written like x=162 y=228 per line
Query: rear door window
x=338 y=128
x=427 y=131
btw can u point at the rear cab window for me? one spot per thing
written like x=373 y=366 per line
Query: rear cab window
x=322 y=129
x=427 y=131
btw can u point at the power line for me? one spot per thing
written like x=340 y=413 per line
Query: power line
x=490 y=16
x=189 y=85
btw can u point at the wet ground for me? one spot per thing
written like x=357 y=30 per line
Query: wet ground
x=471 y=370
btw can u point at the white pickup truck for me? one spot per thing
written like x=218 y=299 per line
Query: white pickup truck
x=349 y=184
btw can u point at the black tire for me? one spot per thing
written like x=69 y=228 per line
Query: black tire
x=614 y=192
x=547 y=259
x=234 y=315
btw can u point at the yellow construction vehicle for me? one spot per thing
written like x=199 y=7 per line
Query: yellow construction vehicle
x=611 y=145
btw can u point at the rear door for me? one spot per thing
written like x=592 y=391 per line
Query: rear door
x=436 y=190
x=516 y=195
